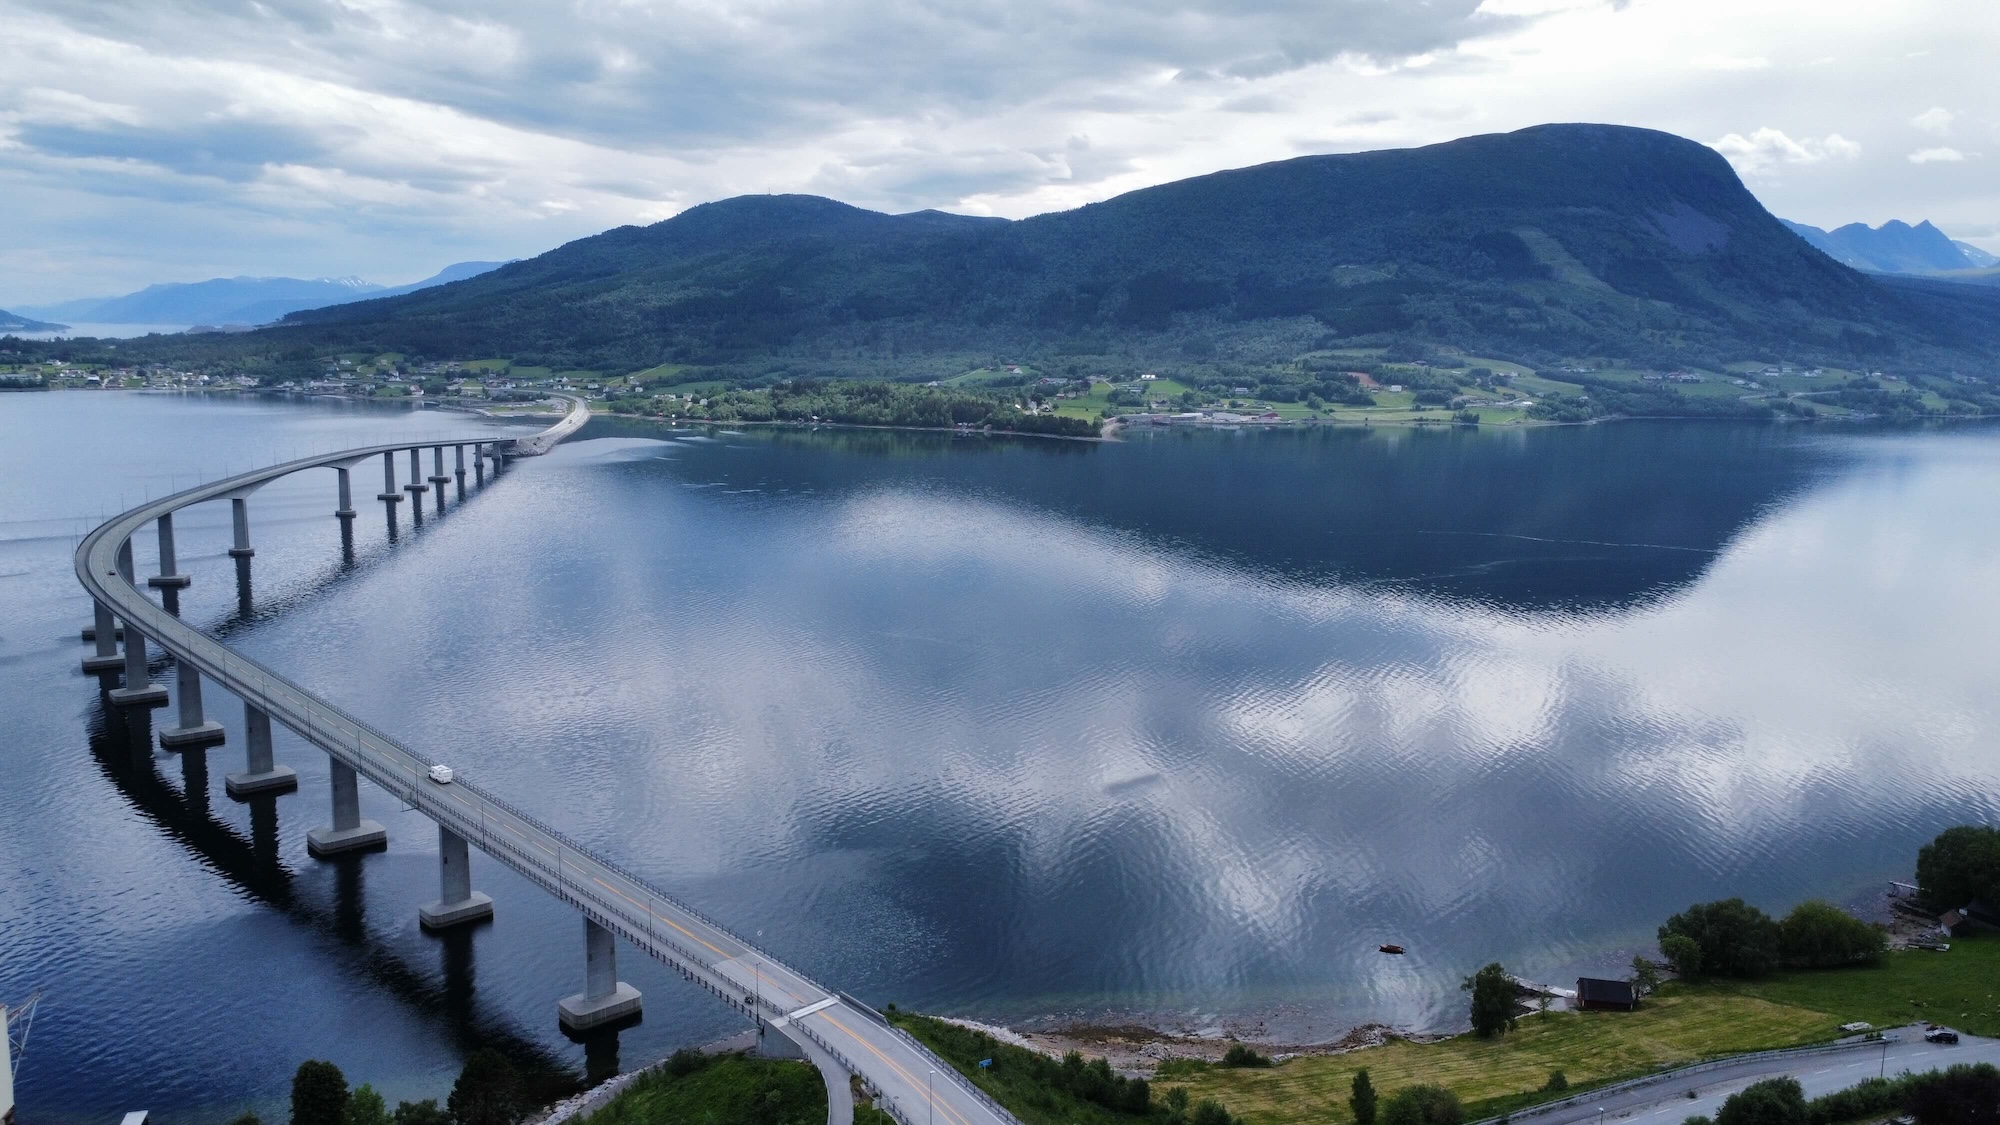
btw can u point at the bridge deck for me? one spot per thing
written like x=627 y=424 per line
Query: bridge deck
x=912 y=1083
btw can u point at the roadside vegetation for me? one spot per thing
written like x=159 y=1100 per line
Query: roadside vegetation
x=1964 y=1094
x=692 y=1088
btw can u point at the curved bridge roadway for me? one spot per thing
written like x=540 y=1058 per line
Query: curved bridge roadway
x=840 y=1035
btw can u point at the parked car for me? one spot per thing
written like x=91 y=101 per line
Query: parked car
x=1941 y=1035
x=441 y=774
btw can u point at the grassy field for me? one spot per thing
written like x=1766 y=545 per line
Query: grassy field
x=1685 y=1023
x=1960 y=988
x=1497 y=1075
x=729 y=1090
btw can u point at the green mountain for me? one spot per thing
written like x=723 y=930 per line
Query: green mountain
x=1551 y=241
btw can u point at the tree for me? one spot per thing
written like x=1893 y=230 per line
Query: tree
x=1361 y=1099
x=426 y=1112
x=1962 y=864
x=1774 y=1101
x=365 y=1107
x=319 y=1094
x=1965 y=1094
x=1492 y=1000
x=1683 y=953
x=1240 y=1056
x=1735 y=938
x=1645 y=976
x=1819 y=935
x=1423 y=1105
x=487 y=1091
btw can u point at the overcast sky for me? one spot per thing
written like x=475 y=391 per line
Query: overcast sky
x=176 y=140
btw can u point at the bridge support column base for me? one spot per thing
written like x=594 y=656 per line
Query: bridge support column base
x=170 y=581
x=188 y=738
x=242 y=552
x=391 y=497
x=438 y=480
x=345 y=513
x=775 y=1044
x=416 y=489
x=581 y=1013
x=277 y=779
x=90 y=632
x=475 y=907
x=103 y=663
x=145 y=695
x=367 y=835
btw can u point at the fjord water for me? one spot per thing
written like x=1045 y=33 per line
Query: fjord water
x=1182 y=726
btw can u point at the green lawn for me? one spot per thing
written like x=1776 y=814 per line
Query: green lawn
x=1960 y=988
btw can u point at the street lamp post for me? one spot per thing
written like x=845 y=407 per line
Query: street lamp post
x=931 y=1089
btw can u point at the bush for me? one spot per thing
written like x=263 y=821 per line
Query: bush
x=1557 y=1083
x=319 y=1094
x=1423 y=1105
x=1492 y=1000
x=1240 y=1056
x=1965 y=1094
x=1683 y=953
x=1819 y=935
x=685 y=1061
x=1208 y=1111
x=487 y=1092
x=1733 y=938
x=1962 y=864
x=1774 y=1101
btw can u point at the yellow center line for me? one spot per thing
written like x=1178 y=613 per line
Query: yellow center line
x=907 y=1077
x=656 y=914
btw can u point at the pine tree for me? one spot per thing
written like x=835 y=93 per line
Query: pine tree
x=319 y=1094
x=1362 y=1099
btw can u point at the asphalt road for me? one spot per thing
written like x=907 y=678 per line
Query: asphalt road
x=1669 y=1102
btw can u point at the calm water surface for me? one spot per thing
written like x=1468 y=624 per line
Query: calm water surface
x=1181 y=727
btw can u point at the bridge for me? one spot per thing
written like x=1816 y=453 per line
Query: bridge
x=794 y=1015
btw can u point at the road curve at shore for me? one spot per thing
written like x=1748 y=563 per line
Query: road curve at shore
x=838 y=1034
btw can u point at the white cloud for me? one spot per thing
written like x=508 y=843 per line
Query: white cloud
x=1936 y=121
x=1937 y=156
x=1764 y=151
x=198 y=138
x=1731 y=62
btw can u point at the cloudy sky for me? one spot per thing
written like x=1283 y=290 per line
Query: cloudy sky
x=175 y=140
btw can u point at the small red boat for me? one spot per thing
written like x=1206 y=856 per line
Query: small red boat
x=1396 y=949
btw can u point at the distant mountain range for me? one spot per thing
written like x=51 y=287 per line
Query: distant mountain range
x=1557 y=240
x=15 y=322
x=239 y=300
x=1895 y=247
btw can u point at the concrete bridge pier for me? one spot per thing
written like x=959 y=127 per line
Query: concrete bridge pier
x=194 y=731
x=139 y=689
x=259 y=774
x=106 y=634
x=416 y=488
x=349 y=832
x=437 y=476
x=459 y=451
x=479 y=463
x=169 y=577
x=389 y=493
x=605 y=999
x=457 y=902
x=345 y=512
x=239 y=516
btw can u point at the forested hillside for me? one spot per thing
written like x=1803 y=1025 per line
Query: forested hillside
x=1553 y=241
